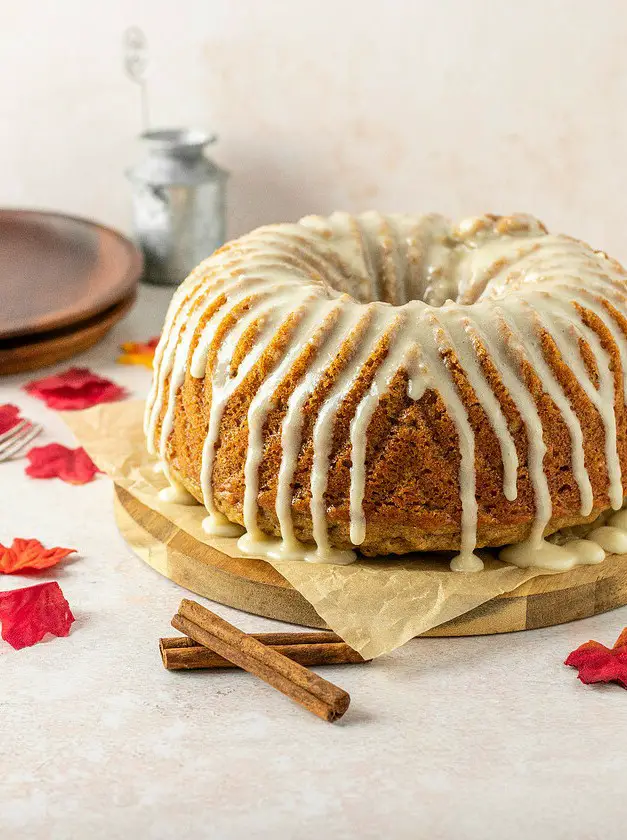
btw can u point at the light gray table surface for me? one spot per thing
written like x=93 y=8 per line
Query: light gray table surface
x=488 y=737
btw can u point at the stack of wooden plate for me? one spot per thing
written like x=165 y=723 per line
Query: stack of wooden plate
x=64 y=282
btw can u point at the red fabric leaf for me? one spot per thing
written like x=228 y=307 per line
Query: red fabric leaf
x=74 y=389
x=597 y=663
x=27 y=615
x=138 y=353
x=74 y=466
x=29 y=555
x=9 y=417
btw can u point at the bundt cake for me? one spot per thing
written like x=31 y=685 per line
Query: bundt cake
x=397 y=384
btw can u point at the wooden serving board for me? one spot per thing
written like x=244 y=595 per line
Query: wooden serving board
x=256 y=587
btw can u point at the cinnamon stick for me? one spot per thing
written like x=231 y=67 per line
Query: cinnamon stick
x=183 y=654
x=314 y=693
x=312 y=637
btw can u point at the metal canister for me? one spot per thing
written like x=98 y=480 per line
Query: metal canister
x=178 y=203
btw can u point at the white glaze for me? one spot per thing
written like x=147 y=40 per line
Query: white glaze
x=461 y=335
x=175 y=493
x=383 y=324
x=396 y=359
x=217 y=525
x=466 y=560
x=311 y=316
x=554 y=390
x=507 y=366
x=556 y=558
x=350 y=316
x=611 y=539
x=600 y=539
x=485 y=283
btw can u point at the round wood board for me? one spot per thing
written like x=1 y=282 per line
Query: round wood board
x=256 y=587
x=32 y=352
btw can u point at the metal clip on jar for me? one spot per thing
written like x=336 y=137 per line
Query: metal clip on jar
x=178 y=203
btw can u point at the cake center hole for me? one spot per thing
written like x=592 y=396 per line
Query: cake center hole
x=398 y=279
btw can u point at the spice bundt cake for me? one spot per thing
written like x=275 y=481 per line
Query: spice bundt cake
x=396 y=384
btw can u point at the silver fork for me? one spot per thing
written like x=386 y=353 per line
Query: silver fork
x=13 y=442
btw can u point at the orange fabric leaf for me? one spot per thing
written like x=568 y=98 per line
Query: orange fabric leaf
x=29 y=555
x=74 y=466
x=138 y=353
x=597 y=663
x=29 y=614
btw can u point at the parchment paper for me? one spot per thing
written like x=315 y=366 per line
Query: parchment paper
x=375 y=605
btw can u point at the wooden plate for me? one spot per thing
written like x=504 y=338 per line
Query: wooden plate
x=256 y=587
x=58 y=270
x=32 y=352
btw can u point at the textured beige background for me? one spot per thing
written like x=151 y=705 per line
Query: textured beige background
x=455 y=105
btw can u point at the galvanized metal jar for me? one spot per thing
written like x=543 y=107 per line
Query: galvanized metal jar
x=178 y=203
